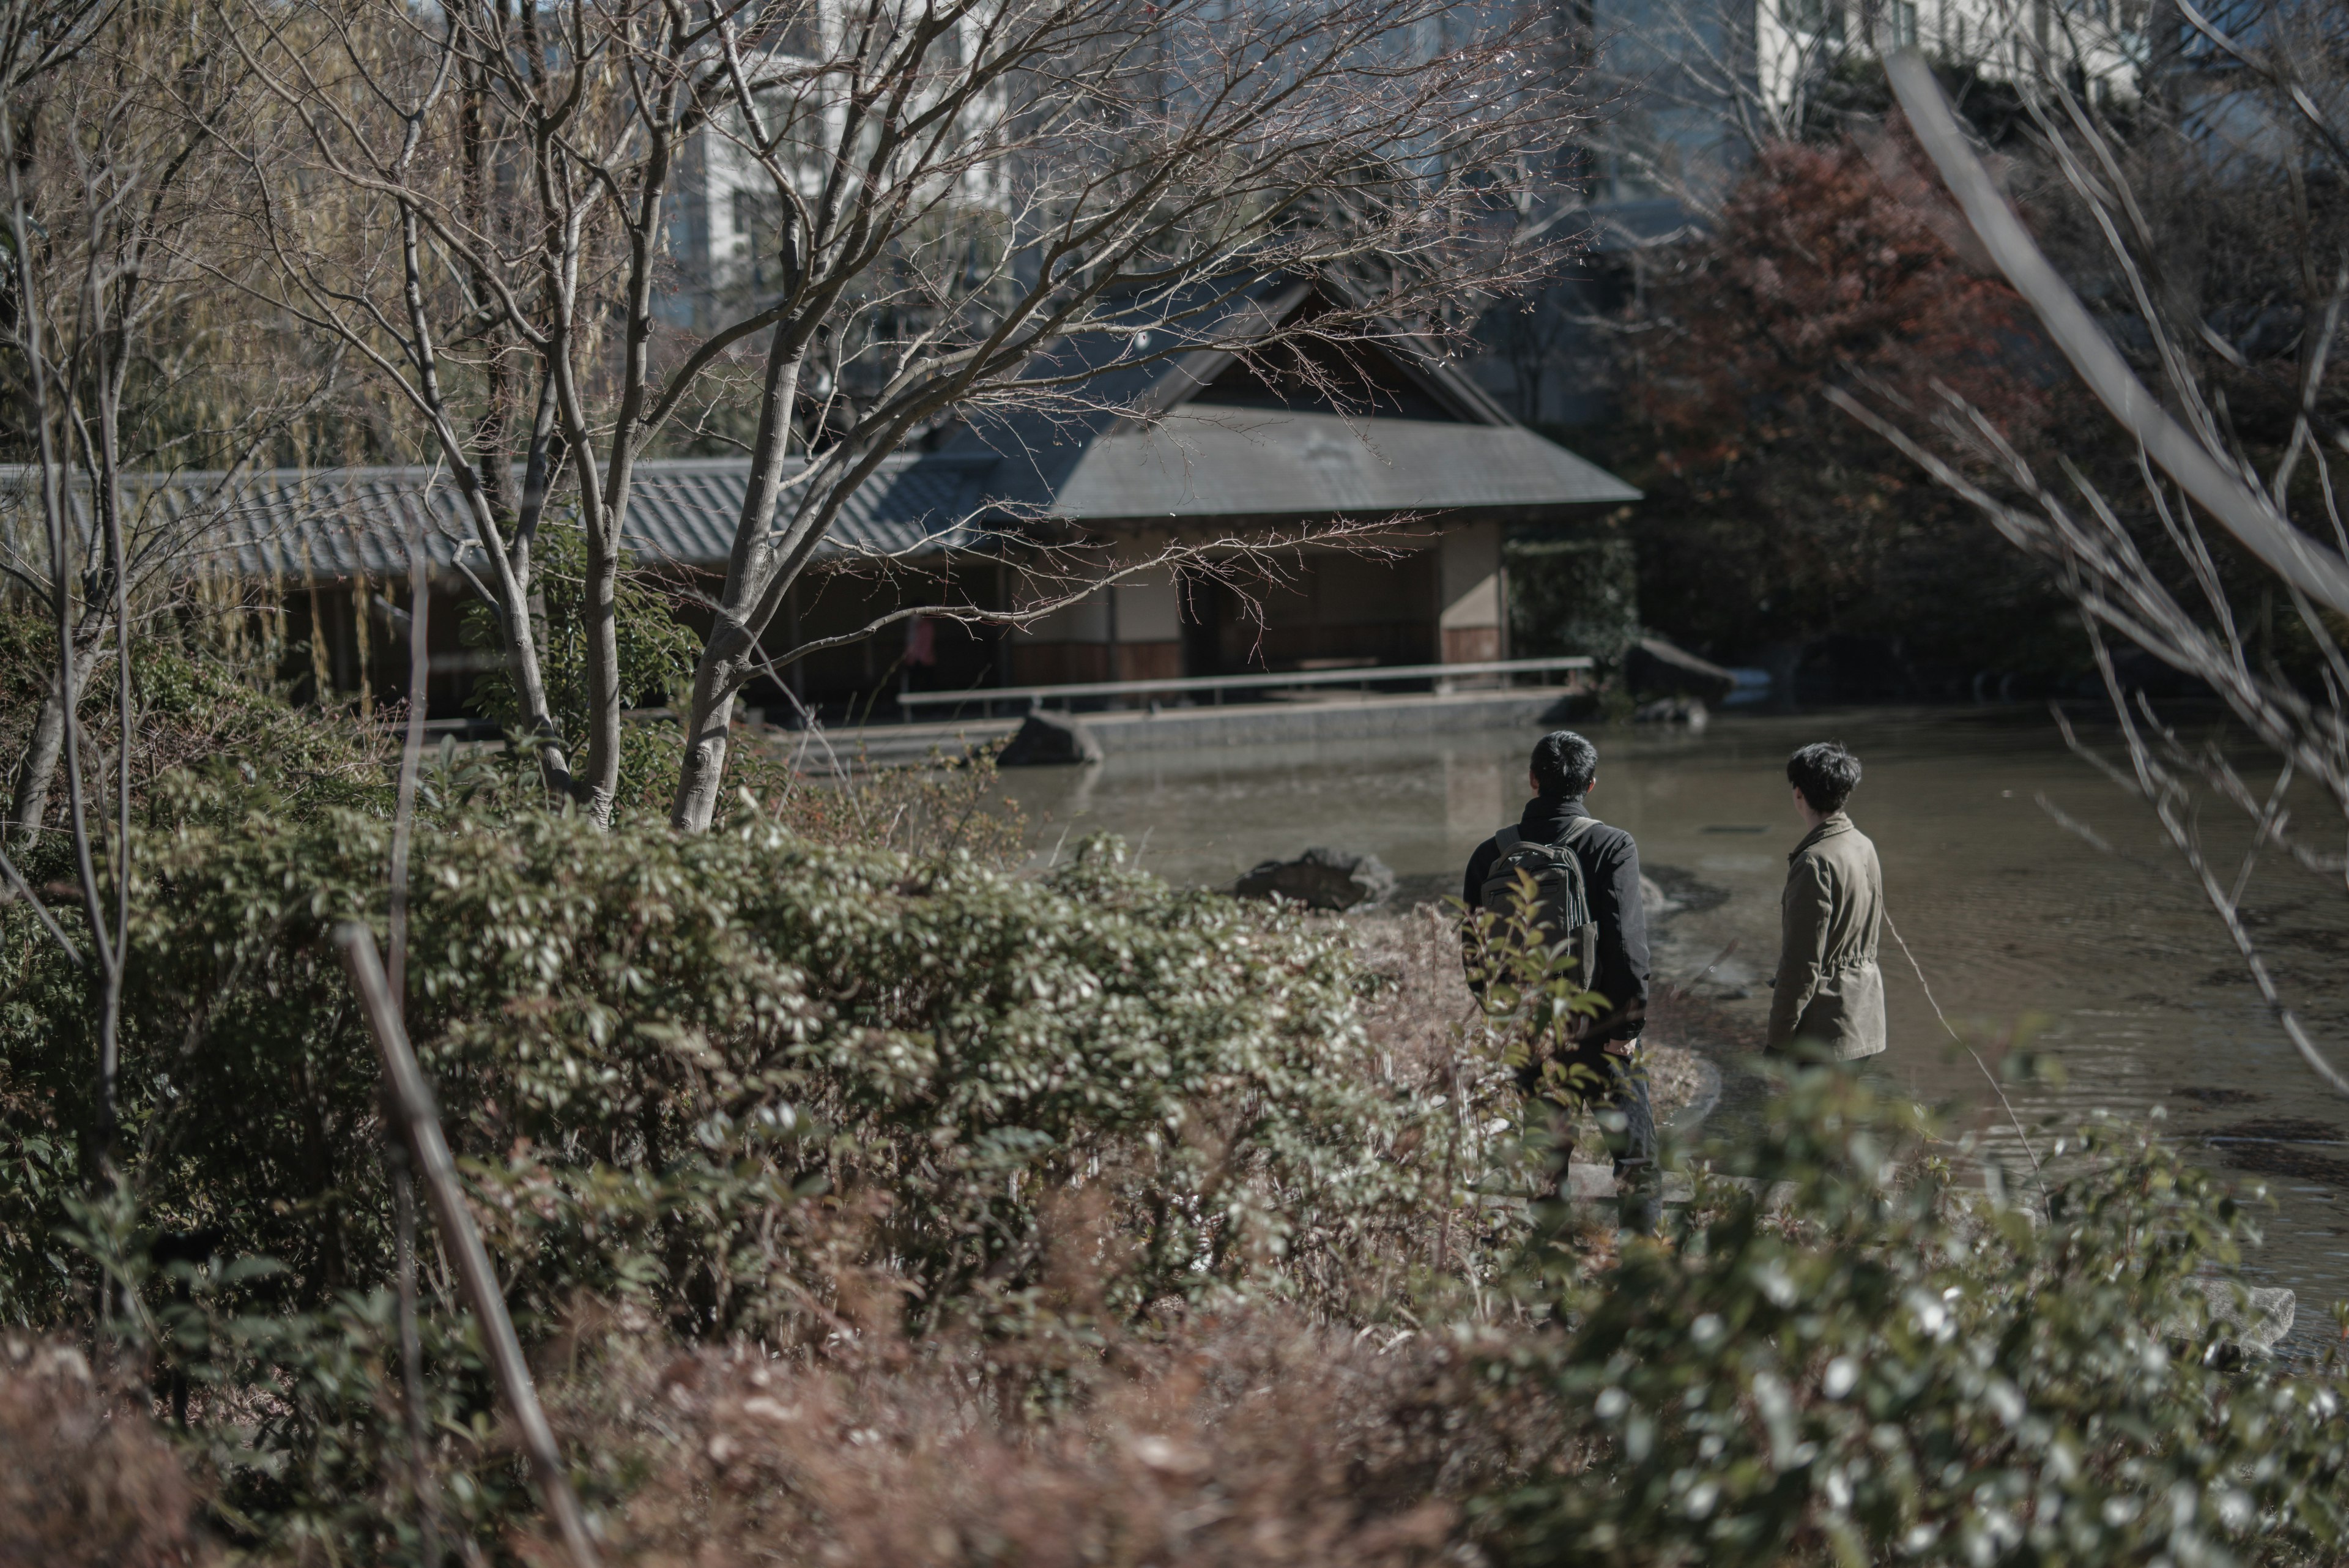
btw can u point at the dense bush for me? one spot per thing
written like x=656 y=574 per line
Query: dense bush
x=758 y=1032
x=190 y=709
x=1835 y=1354
x=745 y=1085
x=873 y=1203
x=1892 y=1368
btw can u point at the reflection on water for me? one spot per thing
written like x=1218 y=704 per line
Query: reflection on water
x=2111 y=962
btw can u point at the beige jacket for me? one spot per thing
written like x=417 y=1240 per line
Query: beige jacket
x=1829 y=990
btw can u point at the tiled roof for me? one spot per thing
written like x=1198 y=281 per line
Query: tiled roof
x=1138 y=440
x=1203 y=462
x=337 y=522
x=1143 y=439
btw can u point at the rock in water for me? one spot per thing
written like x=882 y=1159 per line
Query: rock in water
x=1045 y=739
x=1320 y=879
x=1688 y=711
x=2249 y=1317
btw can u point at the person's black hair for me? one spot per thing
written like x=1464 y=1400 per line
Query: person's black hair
x=1825 y=774
x=1564 y=764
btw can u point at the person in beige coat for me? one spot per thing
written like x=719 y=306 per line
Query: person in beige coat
x=1829 y=992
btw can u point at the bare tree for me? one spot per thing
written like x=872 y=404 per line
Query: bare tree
x=117 y=349
x=397 y=216
x=109 y=121
x=1123 y=178
x=39 y=46
x=929 y=196
x=2160 y=568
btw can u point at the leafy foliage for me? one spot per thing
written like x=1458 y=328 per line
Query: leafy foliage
x=744 y=1085
x=887 y=1202
x=1781 y=517
x=191 y=710
x=657 y=654
x=1849 y=1358
x=1573 y=596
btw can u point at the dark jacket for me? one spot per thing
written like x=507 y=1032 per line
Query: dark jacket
x=1610 y=871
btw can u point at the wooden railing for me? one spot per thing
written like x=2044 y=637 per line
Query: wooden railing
x=1364 y=677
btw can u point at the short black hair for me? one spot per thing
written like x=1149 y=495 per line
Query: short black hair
x=1825 y=774
x=1565 y=763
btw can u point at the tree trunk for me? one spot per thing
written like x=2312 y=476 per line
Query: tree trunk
x=755 y=584
x=36 y=771
x=530 y=685
x=704 y=770
x=600 y=782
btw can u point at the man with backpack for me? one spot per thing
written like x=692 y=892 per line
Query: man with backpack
x=1586 y=890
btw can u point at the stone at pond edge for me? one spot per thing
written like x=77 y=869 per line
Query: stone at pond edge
x=1320 y=879
x=1690 y=711
x=2256 y=1317
x=1048 y=738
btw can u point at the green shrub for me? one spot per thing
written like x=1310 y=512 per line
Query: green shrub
x=976 y=1164
x=655 y=654
x=193 y=712
x=746 y=1085
x=1573 y=596
x=1894 y=1369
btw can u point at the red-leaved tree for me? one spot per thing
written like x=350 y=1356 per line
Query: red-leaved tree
x=1833 y=265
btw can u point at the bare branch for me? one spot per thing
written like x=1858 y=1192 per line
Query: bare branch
x=2246 y=514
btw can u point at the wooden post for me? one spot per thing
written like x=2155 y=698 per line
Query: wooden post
x=410 y=1105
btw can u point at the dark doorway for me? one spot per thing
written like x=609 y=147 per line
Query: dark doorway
x=1205 y=606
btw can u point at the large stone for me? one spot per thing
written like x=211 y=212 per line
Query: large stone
x=1320 y=879
x=1690 y=711
x=1047 y=739
x=2248 y=1317
x=1654 y=668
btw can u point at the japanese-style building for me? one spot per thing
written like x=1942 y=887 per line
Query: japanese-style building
x=1189 y=448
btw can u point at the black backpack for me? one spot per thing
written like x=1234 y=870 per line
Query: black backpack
x=1562 y=898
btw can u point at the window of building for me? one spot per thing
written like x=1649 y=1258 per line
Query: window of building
x=795 y=27
x=1810 y=15
x=759 y=235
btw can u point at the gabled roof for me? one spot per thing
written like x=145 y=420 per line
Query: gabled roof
x=1167 y=420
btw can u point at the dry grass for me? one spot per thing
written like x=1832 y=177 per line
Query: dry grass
x=85 y=1480
x=1249 y=1441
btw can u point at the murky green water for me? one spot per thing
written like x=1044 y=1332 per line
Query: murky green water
x=2112 y=963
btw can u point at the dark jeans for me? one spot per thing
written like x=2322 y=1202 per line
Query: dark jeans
x=1616 y=1090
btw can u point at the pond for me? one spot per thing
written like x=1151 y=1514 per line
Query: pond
x=2109 y=962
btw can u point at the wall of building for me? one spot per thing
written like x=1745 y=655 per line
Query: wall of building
x=1468 y=587
x=1328 y=609
x=1130 y=630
